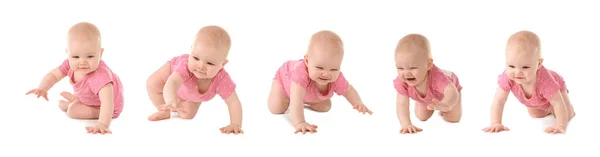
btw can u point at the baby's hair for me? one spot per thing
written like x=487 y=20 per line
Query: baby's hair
x=326 y=39
x=86 y=31
x=525 y=41
x=414 y=43
x=214 y=36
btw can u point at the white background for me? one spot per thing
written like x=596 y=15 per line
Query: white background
x=467 y=38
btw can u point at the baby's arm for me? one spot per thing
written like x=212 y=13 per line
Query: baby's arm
x=498 y=105
x=107 y=105
x=403 y=110
x=451 y=96
x=172 y=84
x=560 y=110
x=355 y=100
x=297 y=103
x=49 y=80
x=497 y=109
x=235 y=109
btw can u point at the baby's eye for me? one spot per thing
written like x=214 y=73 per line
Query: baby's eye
x=334 y=70
x=511 y=66
x=196 y=58
x=400 y=68
x=320 y=68
x=210 y=63
x=413 y=67
x=526 y=67
x=90 y=56
x=74 y=56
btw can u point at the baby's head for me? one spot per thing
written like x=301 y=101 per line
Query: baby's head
x=523 y=57
x=413 y=59
x=324 y=57
x=209 y=52
x=84 y=47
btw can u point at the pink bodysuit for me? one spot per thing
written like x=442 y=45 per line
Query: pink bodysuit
x=437 y=80
x=547 y=84
x=296 y=71
x=221 y=84
x=87 y=89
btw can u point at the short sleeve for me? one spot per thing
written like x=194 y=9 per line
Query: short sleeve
x=548 y=85
x=181 y=68
x=341 y=85
x=299 y=75
x=440 y=80
x=225 y=86
x=504 y=82
x=99 y=80
x=400 y=87
x=64 y=67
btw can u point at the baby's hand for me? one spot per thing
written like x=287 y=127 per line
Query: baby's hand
x=362 y=109
x=496 y=127
x=556 y=129
x=305 y=127
x=98 y=128
x=232 y=128
x=39 y=93
x=410 y=129
x=437 y=105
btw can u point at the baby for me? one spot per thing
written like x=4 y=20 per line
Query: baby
x=541 y=90
x=312 y=81
x=184 y=82
x=419 y=79
x=98 y=91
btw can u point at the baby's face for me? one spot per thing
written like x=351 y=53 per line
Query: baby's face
x=205 y=62
x=521 y=67
x=84 y=56
x=323 y=68
x=412 y=67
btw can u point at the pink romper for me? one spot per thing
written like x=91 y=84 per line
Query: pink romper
x=88 y=88
x=296 y=71
x=437 y=80
x=221 y=84
x=547 y=84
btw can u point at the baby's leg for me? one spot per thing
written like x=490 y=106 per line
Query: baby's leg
x=64 y=105
x=422 y=112
x=454 y=115
x=190 y=109
x=278 y=101
x=78 y=110
x=154 y=87
x=322 y=106
x=539 y=113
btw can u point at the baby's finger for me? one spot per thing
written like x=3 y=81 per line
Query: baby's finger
x=30 y=91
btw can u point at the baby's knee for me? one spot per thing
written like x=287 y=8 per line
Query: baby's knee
x=538 y=113
x=187 y=115
x=452 y=119
x=321 y=108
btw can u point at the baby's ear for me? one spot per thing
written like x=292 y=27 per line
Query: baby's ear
x=540 y=62
x=429 y=64
x=101 y=51
x=305 y=59
x=225 y=62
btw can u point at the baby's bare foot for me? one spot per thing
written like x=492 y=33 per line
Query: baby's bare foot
x=63 y=105
x=160 y=115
